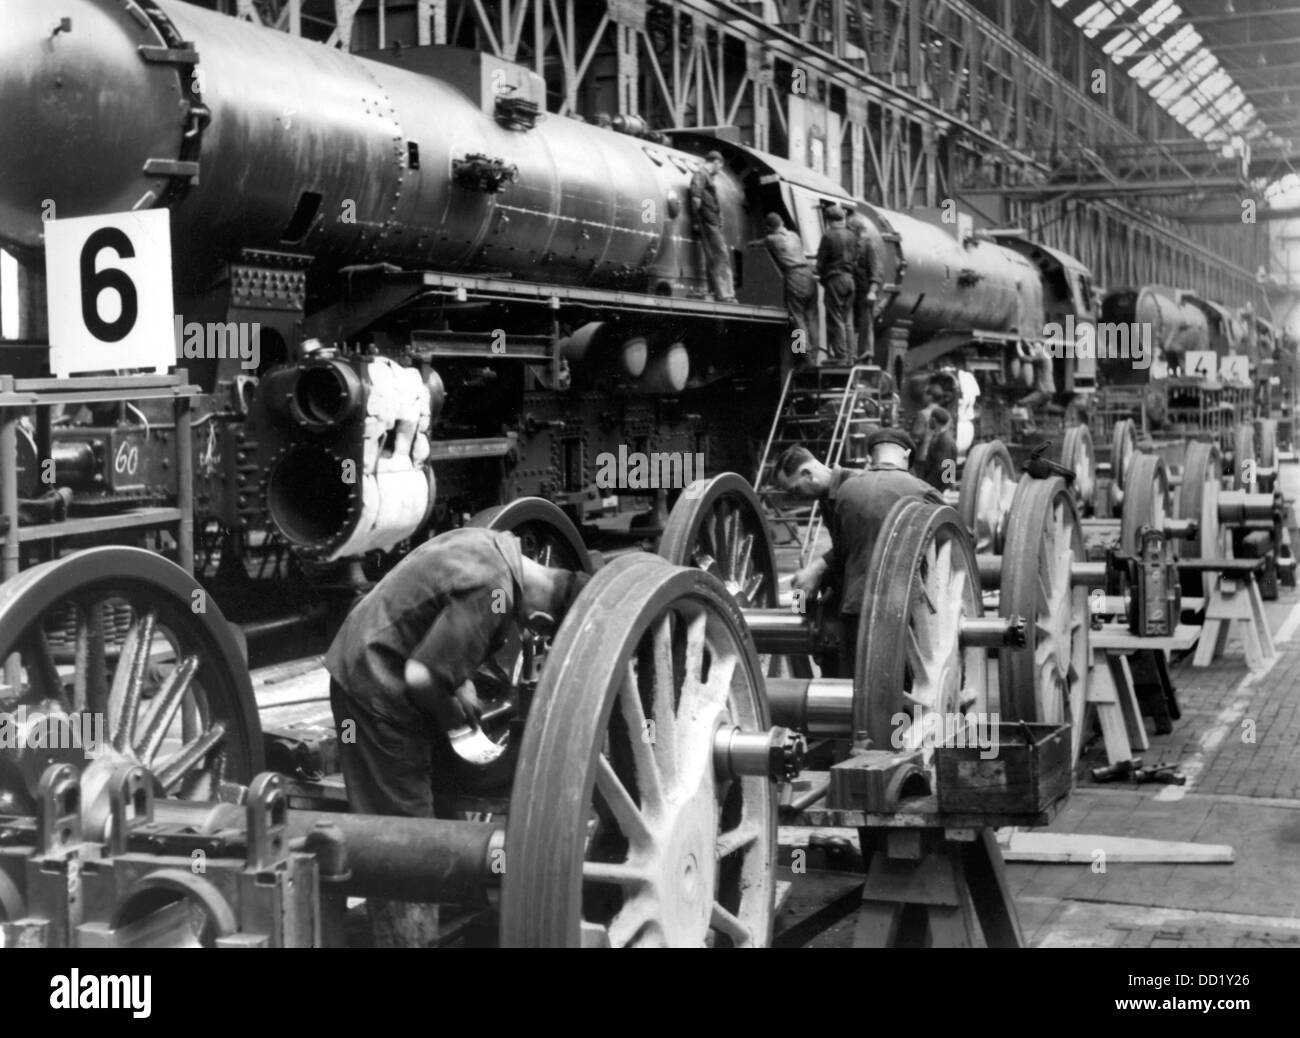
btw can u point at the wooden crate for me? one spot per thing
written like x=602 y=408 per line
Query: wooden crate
x=1029 y=771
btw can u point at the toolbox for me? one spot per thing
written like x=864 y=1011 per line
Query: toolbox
x=1025 y=770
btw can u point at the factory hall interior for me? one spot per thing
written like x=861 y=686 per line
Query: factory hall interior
x=650 y=473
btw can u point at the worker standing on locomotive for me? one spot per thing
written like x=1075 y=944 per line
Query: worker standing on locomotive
x=836 y=257
x=786 y=249
x=708 y=224
x=401 y=669
x=867 y=279
x=854 y=506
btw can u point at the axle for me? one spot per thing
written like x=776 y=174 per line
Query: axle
x=781 y=632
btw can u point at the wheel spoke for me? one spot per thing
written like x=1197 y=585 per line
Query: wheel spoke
x=128 y=682
x=631 y=921
x=162 y=710
x=619 y=874
x=664 y=692
x=737 y=839
x=643 y=739
x=90 y=686
x=621 y=805
x=41 y=670
x=915 y=655
x=726 y=923
x=184 y=760
x=733 y=541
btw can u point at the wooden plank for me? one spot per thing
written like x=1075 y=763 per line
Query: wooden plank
x=1119 y=637
x=1081 y=848
x=1128 y=701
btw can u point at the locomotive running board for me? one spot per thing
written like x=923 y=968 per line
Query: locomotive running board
x=371 y=296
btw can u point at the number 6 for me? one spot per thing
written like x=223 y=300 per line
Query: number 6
x=94 y=283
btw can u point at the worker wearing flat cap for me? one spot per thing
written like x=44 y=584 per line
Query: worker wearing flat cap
x=854 y=506
x=786 y=249
x=403 y=665
x=707 y=213
x=836 y=258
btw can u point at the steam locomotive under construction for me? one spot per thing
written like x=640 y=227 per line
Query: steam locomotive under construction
x=401 y=297
x=468 y=299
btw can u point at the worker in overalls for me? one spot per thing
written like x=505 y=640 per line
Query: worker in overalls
x=707 y=213
x=401 y=672
x=854 y=505
x=786 y=250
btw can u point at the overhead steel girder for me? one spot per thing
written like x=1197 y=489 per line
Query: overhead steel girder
x=1106 y=189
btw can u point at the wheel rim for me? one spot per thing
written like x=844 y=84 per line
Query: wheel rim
x=1077 y=453
x=485 y=756
x=1146 y=500
x=988 y=485
x=1202 y=467
x=1046 y=680
x=718 y=526
x=123 y=642
x=923 y=582
x=622 y=840
x=1123 y=445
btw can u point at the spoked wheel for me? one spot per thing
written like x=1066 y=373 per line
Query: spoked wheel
x=124 y=653
x=923 y=582
x=482 y=760
x=988 y=483
x=1146 y=500
x=1123 y=447
x=718 y=526
x=621 y=833
x=1244 y=458
x=1047 y=680
x=1077 y=453
x=1202 y=466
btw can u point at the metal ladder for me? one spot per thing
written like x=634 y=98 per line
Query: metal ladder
x=826 y=409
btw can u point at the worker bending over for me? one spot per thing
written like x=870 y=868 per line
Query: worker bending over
x=401 y=670
x=854 y=506
x=401 y=665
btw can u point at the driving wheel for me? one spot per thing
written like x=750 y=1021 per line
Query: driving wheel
x=622 y=833
x=1046 y=680
x=718 y=526
x=125 y=654
x=988 y=483
x=911 y=663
